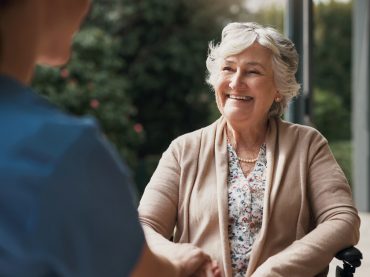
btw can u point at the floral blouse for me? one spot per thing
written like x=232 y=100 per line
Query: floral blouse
x=245 y=195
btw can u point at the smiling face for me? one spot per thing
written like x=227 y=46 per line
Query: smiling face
x=245 y=89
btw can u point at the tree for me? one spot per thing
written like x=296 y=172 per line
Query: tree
x=332 y=69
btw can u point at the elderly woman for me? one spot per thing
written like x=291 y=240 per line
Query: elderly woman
x=262 y=196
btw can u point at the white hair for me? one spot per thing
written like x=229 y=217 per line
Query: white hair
x=236 y=37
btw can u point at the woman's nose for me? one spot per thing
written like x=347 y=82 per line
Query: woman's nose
x=236 y=81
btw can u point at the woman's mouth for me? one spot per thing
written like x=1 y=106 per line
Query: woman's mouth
x=240 y=97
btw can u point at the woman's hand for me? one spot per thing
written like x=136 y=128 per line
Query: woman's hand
x=210 y=269
x=189 y=261
x=192 y=261
x=215 y=269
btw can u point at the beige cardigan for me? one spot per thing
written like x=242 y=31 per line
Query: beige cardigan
x=308 y=210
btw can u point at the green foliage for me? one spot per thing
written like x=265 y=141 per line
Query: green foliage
x=331 y=116
x=332 y=68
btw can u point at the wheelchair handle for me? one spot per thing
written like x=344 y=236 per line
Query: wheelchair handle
x=351 y=258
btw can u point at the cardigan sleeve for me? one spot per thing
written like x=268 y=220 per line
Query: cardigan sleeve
x=335 y=217
x=159 y=203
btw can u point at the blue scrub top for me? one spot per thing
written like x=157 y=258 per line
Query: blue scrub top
x=66 y=205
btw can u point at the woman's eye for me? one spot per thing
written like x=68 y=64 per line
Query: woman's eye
x=253 y=72
x=227 y=68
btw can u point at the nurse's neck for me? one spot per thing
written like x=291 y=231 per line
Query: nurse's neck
x=17 y=58
x=22 y=75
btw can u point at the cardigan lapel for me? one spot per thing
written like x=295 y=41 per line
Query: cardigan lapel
x=270 y=193
x=274 y=164
x=221 y=163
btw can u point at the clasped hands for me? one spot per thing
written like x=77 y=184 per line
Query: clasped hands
x=194 y=262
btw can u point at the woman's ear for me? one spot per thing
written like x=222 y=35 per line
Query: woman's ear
x=277 y=96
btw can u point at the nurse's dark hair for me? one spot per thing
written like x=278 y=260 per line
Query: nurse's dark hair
x=3 y=3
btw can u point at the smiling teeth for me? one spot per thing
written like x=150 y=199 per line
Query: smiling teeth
x=237 y=97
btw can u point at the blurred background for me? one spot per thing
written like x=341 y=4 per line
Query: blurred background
x=139 y=67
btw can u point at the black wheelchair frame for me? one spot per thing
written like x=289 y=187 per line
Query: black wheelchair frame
x=351 y=258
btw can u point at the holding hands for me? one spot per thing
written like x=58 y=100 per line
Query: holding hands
x=192 y=261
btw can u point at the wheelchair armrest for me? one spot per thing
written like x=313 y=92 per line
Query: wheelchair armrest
x=350 y=255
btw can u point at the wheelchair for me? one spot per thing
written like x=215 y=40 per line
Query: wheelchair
x=351 y=258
